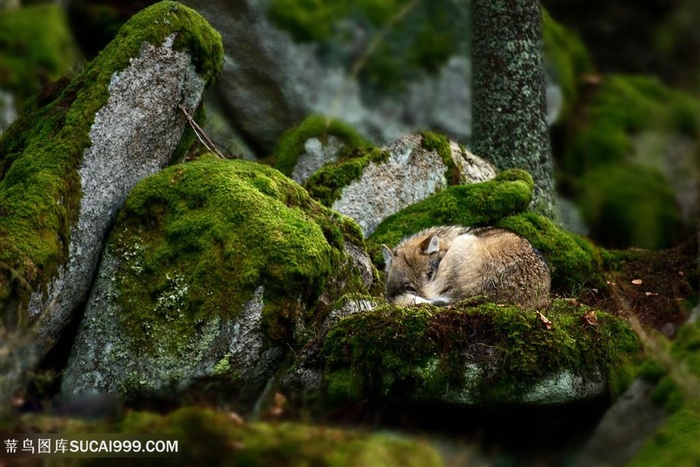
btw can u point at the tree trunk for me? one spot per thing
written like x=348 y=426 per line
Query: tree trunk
x=509 y=108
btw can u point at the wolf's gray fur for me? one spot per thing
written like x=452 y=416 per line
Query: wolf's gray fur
x=444 y=264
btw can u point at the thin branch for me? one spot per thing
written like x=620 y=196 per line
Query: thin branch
x=201 y=135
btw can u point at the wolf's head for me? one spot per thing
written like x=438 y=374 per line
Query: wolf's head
x=410 y=267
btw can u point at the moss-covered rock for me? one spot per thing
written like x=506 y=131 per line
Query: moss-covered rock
x=476 y=353
x=315 y=142
x=371 y=186
x=37 y=47
x=67 y=164
x=209 y=268
x=678 y=386
x=208 y=437
x=630 y=205
x=625 y=183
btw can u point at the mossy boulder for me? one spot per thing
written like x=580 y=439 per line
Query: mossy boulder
x=677 y=388
x=208 y=437
x=631 y=162
x=630 y=205
x=574 y=261
x=315 y=142
x=210 y=271
x=381 y=182
x=68 y=163
x=479 y=354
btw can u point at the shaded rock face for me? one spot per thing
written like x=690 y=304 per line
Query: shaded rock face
x=412 y=172
x=209 y=269
x=79 y=147
x=270 y=82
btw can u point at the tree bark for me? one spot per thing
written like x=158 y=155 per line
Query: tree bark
x=509 y=107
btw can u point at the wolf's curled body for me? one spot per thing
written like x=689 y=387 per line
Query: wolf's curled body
x=444 y=264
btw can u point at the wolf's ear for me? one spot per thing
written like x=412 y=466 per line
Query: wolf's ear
x=388 y=255
x=431 y=245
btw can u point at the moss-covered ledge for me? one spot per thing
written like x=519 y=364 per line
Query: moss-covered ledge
x=479 y=353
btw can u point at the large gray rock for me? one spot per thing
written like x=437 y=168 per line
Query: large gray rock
x=83 y=148
x=412 y=169
x=211 y=268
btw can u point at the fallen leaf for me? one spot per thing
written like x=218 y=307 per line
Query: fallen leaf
x=590 y=318
x=637 y=282
x=651 y=294
x=236 y=419
x=277 y=405
x=547 y=323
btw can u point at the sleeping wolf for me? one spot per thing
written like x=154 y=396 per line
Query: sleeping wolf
x=444 y=264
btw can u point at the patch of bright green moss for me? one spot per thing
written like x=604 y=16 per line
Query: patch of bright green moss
x=197 y=239
x=565 y=52
x=675 y=443
x=326 y=185
x=622 y=107
x=630 y=205
x=475 y=204
x=209 y=437
x=37 y=47
x=432 y=141
x=393 y=352
x=291 y=144
x=41 y=153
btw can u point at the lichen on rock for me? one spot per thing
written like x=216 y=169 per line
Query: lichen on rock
x=210 y=267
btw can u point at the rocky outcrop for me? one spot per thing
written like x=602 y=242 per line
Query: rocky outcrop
x=279 y=69
x=382 y=182
x=69 y=162
x=211 y=267
x=478 y=354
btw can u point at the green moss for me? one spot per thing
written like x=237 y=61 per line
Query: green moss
x=196 y=240
x=432 y=141
x=476 y=204
x=394 y=353
x=326 y=185
x=573 y=260
x=208 y=437
x=569 y=58
x=291 y=144
x=630 y=205
x=675 y=442
x=41 y=152
x=37 y=47
x=622 y=107
x=421 y=42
